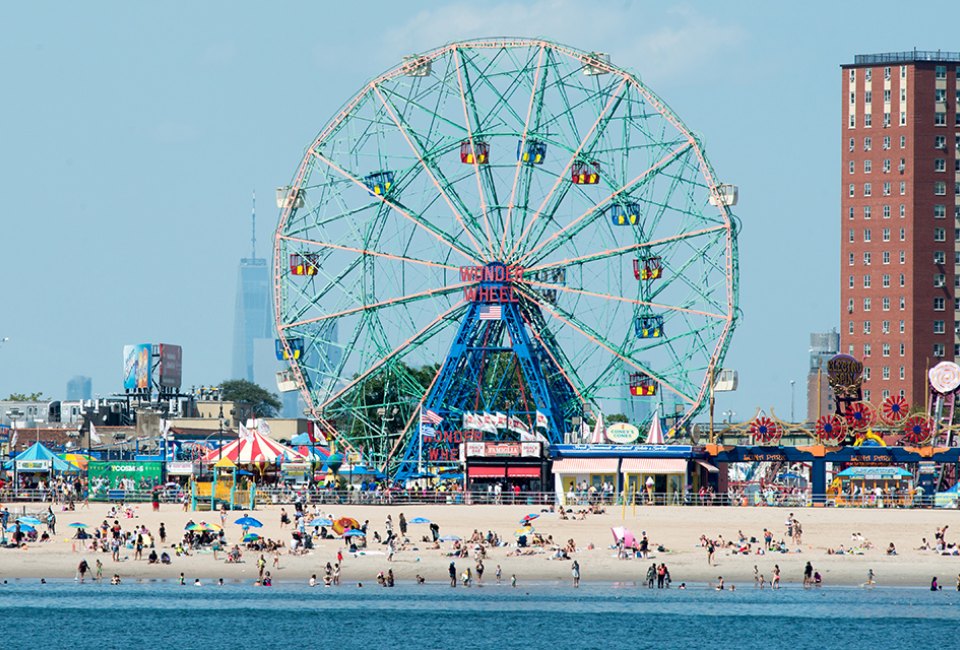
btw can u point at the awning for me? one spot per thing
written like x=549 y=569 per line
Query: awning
x=486 y=471
x=523 y=472
x=585 y=466
x=707 y=466
x=654 y=466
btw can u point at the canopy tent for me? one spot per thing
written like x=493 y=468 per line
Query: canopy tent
x=312 y=452
x=255 y=449
x=303 y=440
x=875 y=473
x=40 y=459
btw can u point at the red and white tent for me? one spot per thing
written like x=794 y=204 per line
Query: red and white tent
x=254 y=449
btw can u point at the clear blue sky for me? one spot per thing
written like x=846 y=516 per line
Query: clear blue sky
x=131 y=136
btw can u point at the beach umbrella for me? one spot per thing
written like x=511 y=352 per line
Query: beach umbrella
x=250 y=537
x=353 y=532
x=248 y=521
x=24 y=528
x=30 y=521
x=622 y=533
x=77 y=525
x=321 y=521
x=345 y=523
x=525 y=530
x=420 y=520
x=527 y=519
x=450 y=538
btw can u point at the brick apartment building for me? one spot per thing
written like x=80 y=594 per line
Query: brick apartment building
x=899 y=310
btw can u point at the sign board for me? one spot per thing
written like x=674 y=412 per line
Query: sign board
x=503 y=449
x=136 y=366
x=296 y=472
x=182 y=468
x=170 y=365
x=33 y=465
x=138 y=470
x=622 y=433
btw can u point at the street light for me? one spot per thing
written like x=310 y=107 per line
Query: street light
x=792 y=393
x=220 y=451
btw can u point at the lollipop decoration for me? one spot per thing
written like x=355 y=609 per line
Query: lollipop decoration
x=831 y=429
x=765 y=431
x=894 y=409
x=916 y=431
x=945 y=377
x=860 y=416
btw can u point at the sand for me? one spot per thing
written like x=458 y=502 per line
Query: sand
x=678 y=529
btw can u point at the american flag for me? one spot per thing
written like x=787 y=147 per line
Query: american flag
x=426 y=415
x=491 y=312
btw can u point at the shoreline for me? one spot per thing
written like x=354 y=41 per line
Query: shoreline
x=678 y=529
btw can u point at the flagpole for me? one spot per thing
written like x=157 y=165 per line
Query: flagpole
x=420 y=443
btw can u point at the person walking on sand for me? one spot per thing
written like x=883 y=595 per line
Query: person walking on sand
x=99 y=566
x=452 y=570
x=871 y=578
x=807 y=575
x=261 y=566
x=500 y=577
x=479 y=572
x=775 y=583
x=82 y=569
x=756 y=576
x=711 y=549
x=576 y=573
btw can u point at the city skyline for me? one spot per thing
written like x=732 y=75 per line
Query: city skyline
x=153 y=173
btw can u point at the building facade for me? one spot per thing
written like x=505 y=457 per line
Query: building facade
x=899 y=214
x=823 y=346
x=79 y=388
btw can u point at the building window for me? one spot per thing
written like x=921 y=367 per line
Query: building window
x=903 y=72
x=853 y=75
x=852 y=261
x=853 y=143
x=852 y=167
x=853 y=190
x=853 y=236
x=939 y=327
x=886 y=328
x=903 y=303
x=939 y=257
x=939 y=119
x=850 y=327
x=903 y=371
x=866 y=327
x=886 y=75
x=851 y=213
x=868 y=97
x=868 y=119
x=886 y=304
x=885 y=372
x=940 y=211
x=867 y=212
x=868 y=190
x=903 y=329
x=939 y=280
x=940 y=72
x=939 y=234
x=886 y=119
x=886 y=280
x=903 y=257
x=886 y=142
x=850 y=306
x=866 y=374
x=903 y=210
x=939 y=142
x=867 y=74
x=886 y=165
x=939 y=188
x=903 y=118
x=903 y=349
x=939 y=164
x=940 y=95
x=867 y=143
x=886 y=234
x=866 y=281
x=939 y=304
x=903 y=188
x=886 y=212
x=853 y=121
x=866 y=304
x=903 y=280
x=886 y=349
x=866 y=349
x=852 y=282
x=903 y=234
x=867 y=166
x=886 y=257
x=938 y=349
x=866 y=234
x=886 y=188
x=885 y=393
x=903 y=142
x=867 y=257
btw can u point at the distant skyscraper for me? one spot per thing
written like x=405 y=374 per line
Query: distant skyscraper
x=79 y=388
x=822 y=347
x=253 y=317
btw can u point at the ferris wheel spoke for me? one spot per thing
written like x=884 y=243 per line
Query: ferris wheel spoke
x=432 y=172
x=641 y=303
x=565 y=368
x=363 y=251
x=434 y=232
x=611 y=102
x=598 y=339
x=430 y=329
x=594 y=213
x=402 y=300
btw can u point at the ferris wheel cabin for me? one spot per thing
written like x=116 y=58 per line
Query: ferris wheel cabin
x=585 y=173
x=648 y=268
x=627 y=214
x=649 y=327
x=642 y=385
x=533 y=153
x=596 y=64
x=304 y=263
x=287 y=197
x=415 y=65
x=724 y=195
x=476 y=152
x=378 y=183
x=296 y=349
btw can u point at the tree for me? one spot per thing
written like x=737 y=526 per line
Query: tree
x=615 y=417
x=263 y=402
x=26 y=397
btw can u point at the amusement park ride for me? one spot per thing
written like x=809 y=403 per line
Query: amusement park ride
x=507 y=227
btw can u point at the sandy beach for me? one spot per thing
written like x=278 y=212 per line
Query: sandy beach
x=677 y=529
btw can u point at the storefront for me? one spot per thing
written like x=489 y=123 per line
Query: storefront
x=505 y=467
x=654 y=480
x=576 y=479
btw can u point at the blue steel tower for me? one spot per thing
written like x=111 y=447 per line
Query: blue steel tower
x=253 y=317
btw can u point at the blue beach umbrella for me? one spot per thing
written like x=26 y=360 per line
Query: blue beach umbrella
x=321 y=521
x=419 y=520
x=249 y=521
x=77 y=525
x=250 y=537
x=353 y=532
x=450 y=538
x=24 y=528
x=30 y=521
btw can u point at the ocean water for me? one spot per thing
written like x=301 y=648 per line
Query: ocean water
x=602 y=616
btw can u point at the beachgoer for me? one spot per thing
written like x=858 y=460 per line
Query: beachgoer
x=313 y=580
x=710 y=551
x=99 y=573
x=576 y=573
x=452 y=570
x=934 y=585
x=479 y=572
x=183 y=579
x=513 y=580
x=807 y=574
x=719 y=586
x=775 y=583
x=870 y=578
x=500 y=575
x=82 y=569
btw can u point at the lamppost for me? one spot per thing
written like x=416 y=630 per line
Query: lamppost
x=728 y=416
x=13 y=414
x=220 y=451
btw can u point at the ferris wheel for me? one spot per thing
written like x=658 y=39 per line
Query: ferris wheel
x=501 y=227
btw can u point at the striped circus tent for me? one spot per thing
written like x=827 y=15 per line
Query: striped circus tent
x=254 y=449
